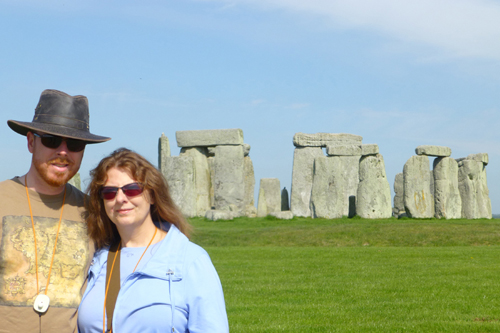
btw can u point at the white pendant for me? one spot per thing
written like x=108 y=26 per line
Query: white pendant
x=41 y=304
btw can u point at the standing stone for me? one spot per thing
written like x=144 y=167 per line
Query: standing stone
x=202 y=179
x=418 y=200
x=284 y=200
x=210 y=162
x=229 y=187
x=179 y=172
x=447 y=200
x=302 y=179
x=373 y=199
x=399 y=206
x=163 y=151
x=473 y=189
x=327 y=197
x=206 y=138
x=269 y=192
x=249 y=190
x=350 y=177
x=324 y=139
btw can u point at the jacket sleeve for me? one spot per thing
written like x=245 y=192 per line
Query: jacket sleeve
x=207 y=310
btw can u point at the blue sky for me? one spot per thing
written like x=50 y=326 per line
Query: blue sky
x=399 y=73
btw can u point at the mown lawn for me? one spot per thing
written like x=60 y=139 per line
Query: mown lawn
x=353 y=275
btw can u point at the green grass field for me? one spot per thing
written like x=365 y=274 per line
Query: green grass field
x=354 y=275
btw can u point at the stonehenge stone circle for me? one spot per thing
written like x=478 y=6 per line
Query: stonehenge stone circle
x=269 y=197
x=202 y=179
x=229 y=177
x=418 y=199
x=343 y=150
x=163 y=151
x=323 y=139
x=302 y=179
x=447 y=200
x=285 y=205
x=179 y=173
x=373 y=200
x=327 y=195
x=473 y=189
x=205 y=138
x=438 y=151
x=399 y=206
x=284 y=215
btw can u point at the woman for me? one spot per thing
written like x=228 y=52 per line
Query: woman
x=146 y=275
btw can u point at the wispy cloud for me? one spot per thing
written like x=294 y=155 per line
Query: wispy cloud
x=459 y=28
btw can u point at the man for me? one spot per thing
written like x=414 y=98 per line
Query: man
x=44 y=249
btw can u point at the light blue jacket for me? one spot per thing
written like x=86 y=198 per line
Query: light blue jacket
x=179 y=276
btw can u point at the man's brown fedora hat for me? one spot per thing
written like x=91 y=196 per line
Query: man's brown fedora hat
x=58 y=113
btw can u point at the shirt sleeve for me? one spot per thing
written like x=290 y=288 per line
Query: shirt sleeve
x=207 y=310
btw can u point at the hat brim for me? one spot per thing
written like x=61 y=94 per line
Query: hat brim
x=23 y=128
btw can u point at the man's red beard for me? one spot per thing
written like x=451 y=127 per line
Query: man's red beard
x=60 y=178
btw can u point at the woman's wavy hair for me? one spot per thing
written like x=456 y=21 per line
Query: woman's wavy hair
x=100 y=228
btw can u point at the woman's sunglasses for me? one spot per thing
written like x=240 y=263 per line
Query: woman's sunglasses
x=130 y=190
x=53 y=141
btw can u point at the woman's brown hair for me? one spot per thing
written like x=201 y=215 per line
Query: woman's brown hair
x=100 y=228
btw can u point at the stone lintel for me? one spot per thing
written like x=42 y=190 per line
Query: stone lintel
x=369 y=149
x=343 y=150
x=206 y=138
x=480 y=157
x=325 y=139
x=439 y=151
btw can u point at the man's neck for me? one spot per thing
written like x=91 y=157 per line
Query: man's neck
x=37 y=184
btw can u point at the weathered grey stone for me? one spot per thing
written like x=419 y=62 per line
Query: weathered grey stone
x=302 y=179
x=215 y=215
x=399 y=205
x=369 y=149
x=248 y=201
x=269 y=193
x=229 y=187
x=284 y=200
x=211 y=151
x=284 y=215
x=327 y=197
x=473 y=189
x=418 y=200
x=343 y=150
x=75 y=181
x=481 y=157
x=439 y=151
x=163 y=151
x=202 y=179
x=246 y=149
x=205 y=138
x=210 y=162
x=373 y=200
x=349 y=172
x=323 y=139
x=179 y=173
x=447 y=200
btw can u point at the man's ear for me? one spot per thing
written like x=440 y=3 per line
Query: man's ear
x=31 y=141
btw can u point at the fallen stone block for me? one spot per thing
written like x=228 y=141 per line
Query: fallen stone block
x=205 y=138
x=215 y=215
x=283 y=215
x=323 y=139
x=439 y=151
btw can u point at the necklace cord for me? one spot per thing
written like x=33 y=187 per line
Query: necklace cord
x=34 y=236
x=111 y=273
